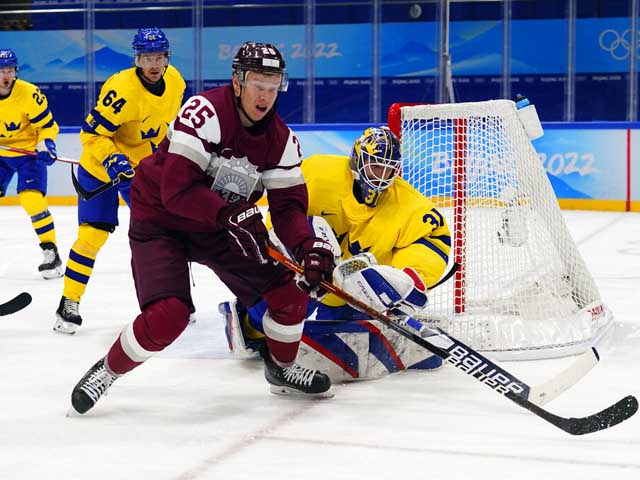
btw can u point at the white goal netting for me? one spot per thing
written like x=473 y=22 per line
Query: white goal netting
x=522 y=290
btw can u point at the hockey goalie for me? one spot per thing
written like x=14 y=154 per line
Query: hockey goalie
x=390 y=244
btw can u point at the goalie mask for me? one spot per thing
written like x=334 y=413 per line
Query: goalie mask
x=260 y=57
x=375 y=163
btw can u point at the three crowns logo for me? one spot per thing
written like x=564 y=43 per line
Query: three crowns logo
x=12 y=126
x=151 y=133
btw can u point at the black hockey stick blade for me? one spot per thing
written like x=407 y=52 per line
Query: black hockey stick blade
x=89 y=194
x=610 y=416
x=15 y=304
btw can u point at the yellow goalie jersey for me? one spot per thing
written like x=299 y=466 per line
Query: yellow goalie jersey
x=128 y=119
x=25 y=118
x=403 y=230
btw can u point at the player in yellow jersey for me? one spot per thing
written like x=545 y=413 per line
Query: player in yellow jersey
x=128 y=122
x=27 y=123
x=393 y=243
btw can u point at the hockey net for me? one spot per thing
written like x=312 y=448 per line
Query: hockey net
x=522 y=290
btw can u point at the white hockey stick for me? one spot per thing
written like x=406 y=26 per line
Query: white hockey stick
x=563 y=381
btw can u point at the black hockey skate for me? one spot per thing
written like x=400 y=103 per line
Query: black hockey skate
x=68 y=317
x=91 y=387
x=51 y=266
x=295 y=380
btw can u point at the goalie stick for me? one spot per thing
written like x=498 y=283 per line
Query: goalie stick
x=15 y=304
x=482 y=369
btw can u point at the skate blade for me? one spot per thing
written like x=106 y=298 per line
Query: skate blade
x=292 y=392
x=73 y=413
x=51 y=274
x=66 y=328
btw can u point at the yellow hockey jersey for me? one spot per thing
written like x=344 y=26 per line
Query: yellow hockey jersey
x=403 y=230
x=128 y=119
x=25 y=118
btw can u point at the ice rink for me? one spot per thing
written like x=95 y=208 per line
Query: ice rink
x=194 y=413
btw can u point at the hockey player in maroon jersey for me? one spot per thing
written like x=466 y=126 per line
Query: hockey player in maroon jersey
x=194 y=200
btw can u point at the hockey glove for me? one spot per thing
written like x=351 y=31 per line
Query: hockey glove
x=244 y=223
x=120 y=172
x=384 y=288
x=46 y=151
x=316 y=256
x=118 y=167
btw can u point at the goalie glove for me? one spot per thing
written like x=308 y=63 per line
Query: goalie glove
x=384 y=288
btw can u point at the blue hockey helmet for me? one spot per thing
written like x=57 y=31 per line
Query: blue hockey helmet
x=262 y=58
x=8 y=58
x=150 y=40
x=375 y=162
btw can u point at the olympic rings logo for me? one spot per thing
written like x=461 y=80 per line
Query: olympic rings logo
x=618 y=45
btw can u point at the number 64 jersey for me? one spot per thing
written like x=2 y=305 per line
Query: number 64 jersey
x=129 y=119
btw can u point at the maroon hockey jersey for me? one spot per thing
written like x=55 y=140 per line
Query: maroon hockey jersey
x=208 y=160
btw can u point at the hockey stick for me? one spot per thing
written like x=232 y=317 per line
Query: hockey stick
x=89 y=194
x=543 y=393
x=83 y=193
x=482 y=369
x=33 y=154
x=16 y=304
x=538 y=394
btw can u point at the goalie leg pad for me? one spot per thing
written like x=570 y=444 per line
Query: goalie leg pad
x=359 y=350
x=240 y=345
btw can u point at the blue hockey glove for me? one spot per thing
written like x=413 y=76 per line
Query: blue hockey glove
x=120 y=172
x=46 y=151
x=118 y=167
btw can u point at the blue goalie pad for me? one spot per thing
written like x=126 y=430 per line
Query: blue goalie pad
x=349 y=347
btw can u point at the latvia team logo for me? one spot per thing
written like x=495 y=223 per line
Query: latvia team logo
x=235 y=179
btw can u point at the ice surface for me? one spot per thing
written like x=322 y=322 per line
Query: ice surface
x=194 y=413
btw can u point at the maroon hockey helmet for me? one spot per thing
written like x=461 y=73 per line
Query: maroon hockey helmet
x=260 y=57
